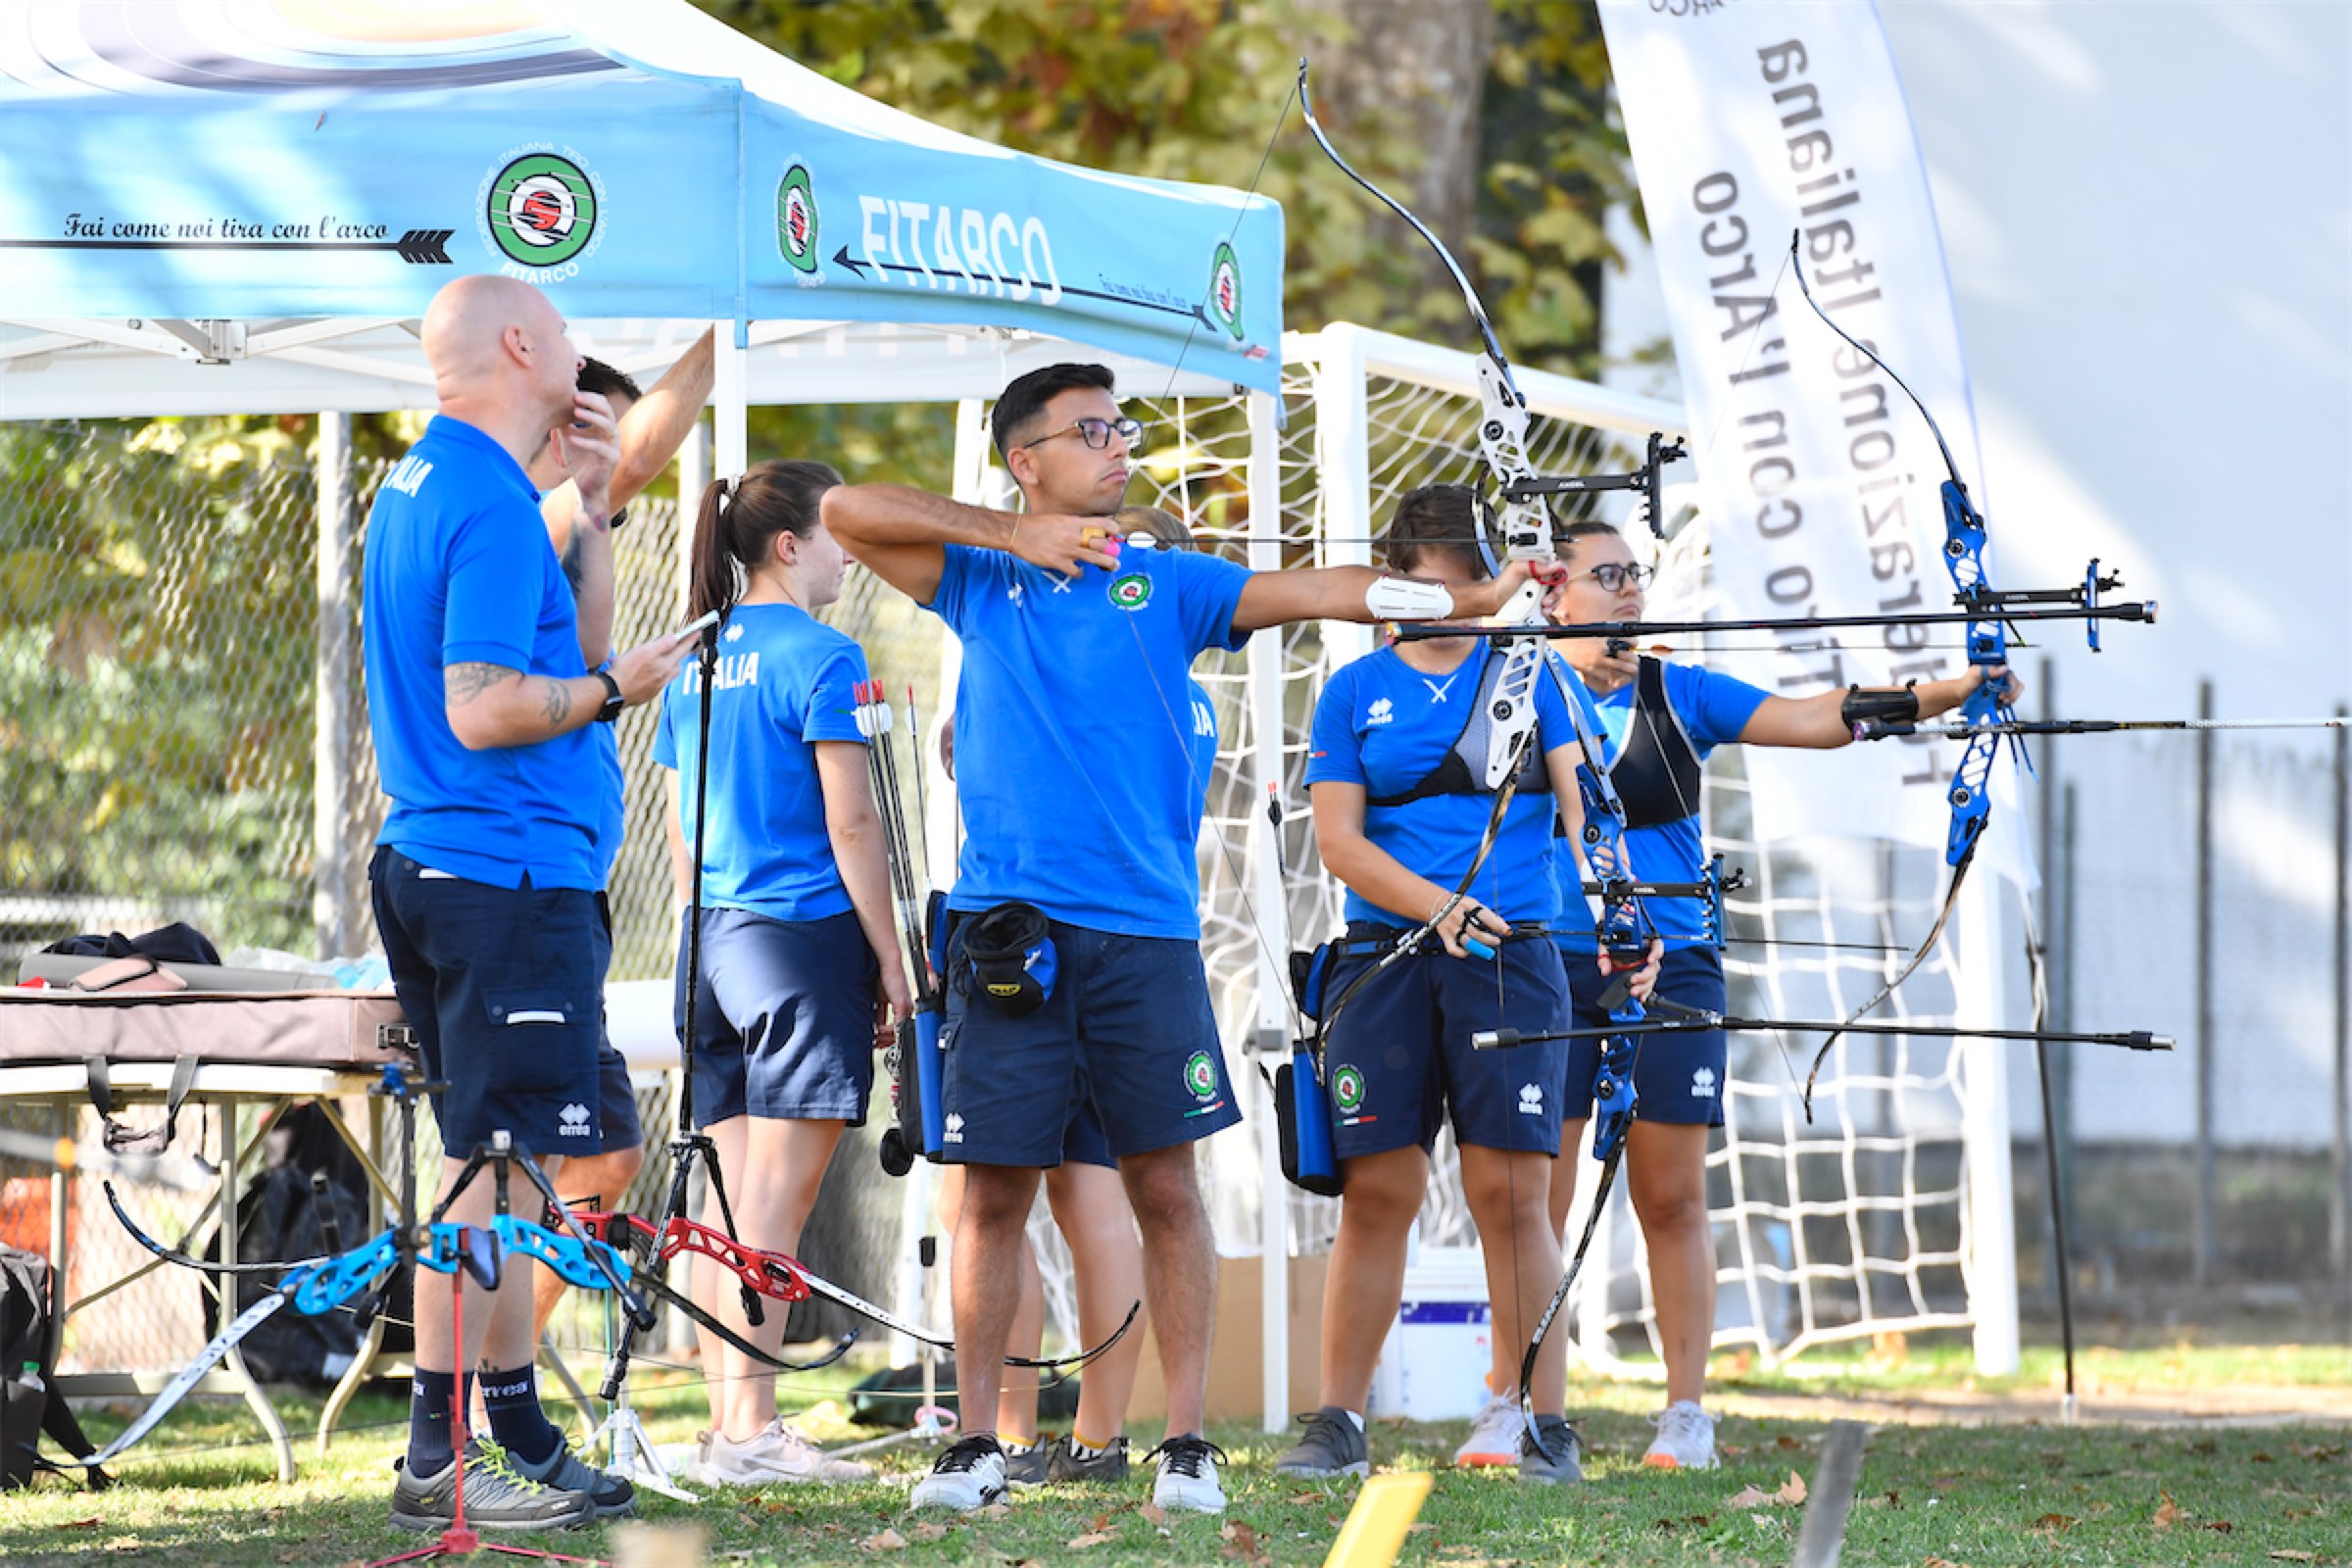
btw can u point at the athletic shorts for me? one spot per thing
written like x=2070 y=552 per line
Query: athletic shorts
x=503 y=987
x=1678 y=1078
x=1401 y=1059
x=1083 y=1141
x=1128 y=1017
x=784 y=1025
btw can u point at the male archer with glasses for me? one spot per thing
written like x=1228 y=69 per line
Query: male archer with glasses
x=1073 y=763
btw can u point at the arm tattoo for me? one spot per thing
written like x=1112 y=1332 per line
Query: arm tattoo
x=461 y=684
x=556 y=706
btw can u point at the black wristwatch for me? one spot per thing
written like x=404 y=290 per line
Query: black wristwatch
x=614 y=701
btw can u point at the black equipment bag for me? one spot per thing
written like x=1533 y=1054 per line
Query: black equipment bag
x=29 y=1402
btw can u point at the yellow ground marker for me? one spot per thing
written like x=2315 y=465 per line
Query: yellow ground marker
x=1384 y=1509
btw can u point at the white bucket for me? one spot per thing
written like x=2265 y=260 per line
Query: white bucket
x=1434 y=1364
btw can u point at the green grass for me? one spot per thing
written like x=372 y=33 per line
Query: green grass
x=201 y=1490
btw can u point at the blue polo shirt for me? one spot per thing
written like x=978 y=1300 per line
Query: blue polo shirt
x=1713 y=709
x=458 y=570
x=1384 y=725
x=784 y=682
x=1075 y=742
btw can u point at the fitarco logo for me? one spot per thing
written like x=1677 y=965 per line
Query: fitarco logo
x=1225 y=290
x=541 y=209
x=796 y=220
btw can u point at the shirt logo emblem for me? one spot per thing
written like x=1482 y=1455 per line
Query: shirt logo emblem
x=1131 y=590
x=1347 y=1088
x=1702 y=1083
x=1531 y=1099
x=1379 y=713
x=575 y=1119
x=955 y=1127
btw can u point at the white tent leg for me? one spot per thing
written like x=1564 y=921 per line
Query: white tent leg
x=1272 y=1038
x=331 y=894
x=729 y=400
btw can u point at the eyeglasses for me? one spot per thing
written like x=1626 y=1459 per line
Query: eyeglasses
x=1095 y=433
x=1613 y=576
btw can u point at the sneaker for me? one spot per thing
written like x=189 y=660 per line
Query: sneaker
x=1555 y=1462
x=1333 y=1445
x=1107 y=1463
x=1031 y=1464
x=1493 y=1438
x=564 y=1471
x=1685 y=1439
x=1188 y=1474
x=969 y=1475
x=775 y=1454
x=497 y=1497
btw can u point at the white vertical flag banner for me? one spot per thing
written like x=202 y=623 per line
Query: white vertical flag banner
x=1750 y=123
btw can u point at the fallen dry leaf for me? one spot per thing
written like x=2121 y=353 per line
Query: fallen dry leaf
x=1242 y=1544
x=2055 y=1523
x=884 y=1541
x=2167 y=1512
x=1154 y=1513
x=1785 y=1441
x=2223 y=1526
x=1297 y=1498
x=1794 y=1492
x=1417 y=1528
x=930 y=1532
x=995 y=1510
x=1092 y=1538
x=81 y=1524
x=2294 y=1556
x=1943 y=1562
x=1748 y=1498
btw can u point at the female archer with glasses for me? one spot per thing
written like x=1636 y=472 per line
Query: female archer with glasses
x=1661 y=721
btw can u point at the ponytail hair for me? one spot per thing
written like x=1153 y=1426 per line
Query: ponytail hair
x=739 y=520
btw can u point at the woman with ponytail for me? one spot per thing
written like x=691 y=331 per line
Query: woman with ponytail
x=801 y=980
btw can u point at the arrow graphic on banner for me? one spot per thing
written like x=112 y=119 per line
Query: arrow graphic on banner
x=416 y=247
x=842 y=258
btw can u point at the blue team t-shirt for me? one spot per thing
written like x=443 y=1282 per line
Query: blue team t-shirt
x=1075 y=753
x=1384 y=725
x=784 y=682
x=458 y=570
x=1204 y=747
x=1714 y=709
x=612 y=807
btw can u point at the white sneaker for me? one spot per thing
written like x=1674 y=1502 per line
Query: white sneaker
x=1495 y=1431
x=1685 y=1439
x=1188 y=1475
x=969 y=1475
x=776 y=1453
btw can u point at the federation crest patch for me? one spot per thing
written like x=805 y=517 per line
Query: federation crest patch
x=1347 y=1090
x=1200 y=1076
x=1131 y=590
x=796 y=220
x=1225 y=290
x=541 y=209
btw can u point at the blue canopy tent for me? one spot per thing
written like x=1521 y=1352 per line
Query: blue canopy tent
x=236 y=206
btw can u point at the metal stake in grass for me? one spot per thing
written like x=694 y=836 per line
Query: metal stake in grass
x=1823 y=1535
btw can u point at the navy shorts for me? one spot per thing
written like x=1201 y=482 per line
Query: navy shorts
x=784 y=1026
x=616 y=1110
x=1128 y=1017
x=1401 y=1058
x=505 y=988
x=1678 y=1078
x=1083 y=1141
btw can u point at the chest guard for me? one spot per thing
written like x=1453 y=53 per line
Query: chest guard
x=1463 y=768
x=1657 y=773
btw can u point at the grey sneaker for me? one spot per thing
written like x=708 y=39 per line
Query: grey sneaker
x=1030 y=1465
x=1108 y=1463
x=1332 y=1446
x=497 y=1497
x=1188 y=1474
x=1556 y=1461
x=564 y=1471
x=969 y=1475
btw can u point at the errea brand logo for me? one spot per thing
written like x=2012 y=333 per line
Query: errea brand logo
x=1381 y=711
x=1531 y=1099
x=574 y=1120
x=955 y=1127
x=1702 y=1083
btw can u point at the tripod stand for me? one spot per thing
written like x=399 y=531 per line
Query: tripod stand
x=633 y=1456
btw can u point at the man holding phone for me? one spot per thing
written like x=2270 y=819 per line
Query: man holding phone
x=649 y=427
x=485 y=872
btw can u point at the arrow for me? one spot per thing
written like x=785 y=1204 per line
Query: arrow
x=2090 y=726
x=841 y=257
x=1668 y=628
x=428 y=246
